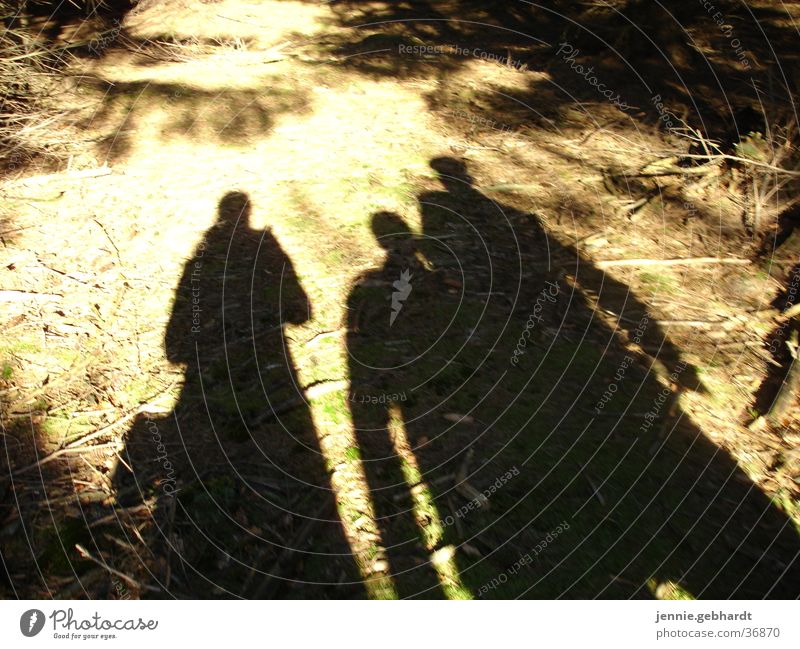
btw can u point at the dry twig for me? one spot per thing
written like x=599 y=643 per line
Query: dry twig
x=689 y=261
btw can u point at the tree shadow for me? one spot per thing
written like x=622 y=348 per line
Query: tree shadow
x=511 y=346
x=40 y=518
x=717 y=72
x=227 y=118
x=776 y=345
x=64 y=20
x=243 y=502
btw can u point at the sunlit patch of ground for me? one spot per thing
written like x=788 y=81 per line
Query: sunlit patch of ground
x=260 y=24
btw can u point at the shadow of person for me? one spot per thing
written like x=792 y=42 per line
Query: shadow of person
x=240 y=483
x=567 y=392
x=384 y=340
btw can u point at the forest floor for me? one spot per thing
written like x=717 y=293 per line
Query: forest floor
x=614 y=445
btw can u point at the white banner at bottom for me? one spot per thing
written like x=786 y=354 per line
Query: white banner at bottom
x=333 y=624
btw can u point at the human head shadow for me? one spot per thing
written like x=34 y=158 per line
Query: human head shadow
x=244 y=506
x=382 y=336
x=648 y=498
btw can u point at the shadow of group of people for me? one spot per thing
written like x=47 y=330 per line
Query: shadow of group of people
x=243 y=493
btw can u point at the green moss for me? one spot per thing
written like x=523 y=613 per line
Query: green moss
x=335 y=407
x=59 y=555
x=58 y=428
x=659 y=282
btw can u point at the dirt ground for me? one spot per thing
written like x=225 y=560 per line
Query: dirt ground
x=370 y=300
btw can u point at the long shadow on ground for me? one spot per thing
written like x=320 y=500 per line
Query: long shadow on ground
x=508 y=343
x=243 y=503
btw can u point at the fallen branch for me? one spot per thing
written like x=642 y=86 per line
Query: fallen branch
x=635 y=206
x=25 y=296
x=68 y=175
x=748 y=161
x=114 y=517
x=130 y=580
x=313 y=391
x=26 y=227
x=690 y=323
x=672 y=171
x=64 y=451
x=791 y=312
x=785 y=396
x=689 y=261
x=322 y=335
x=80 y=444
